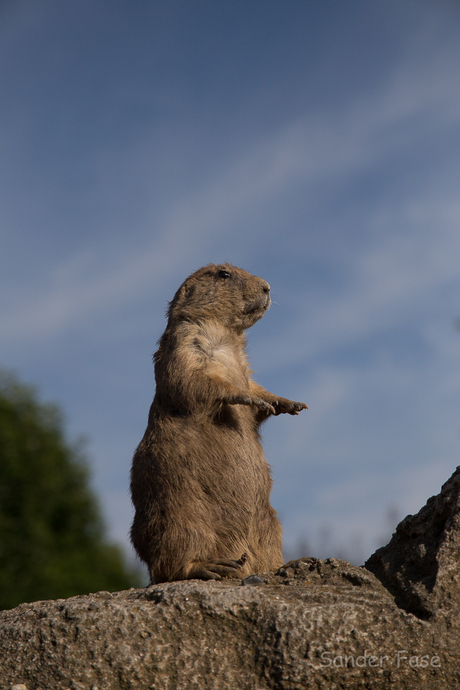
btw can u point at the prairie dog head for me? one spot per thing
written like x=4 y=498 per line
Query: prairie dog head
x=222 y=293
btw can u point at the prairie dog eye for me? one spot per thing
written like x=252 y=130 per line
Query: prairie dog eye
x=223 y=274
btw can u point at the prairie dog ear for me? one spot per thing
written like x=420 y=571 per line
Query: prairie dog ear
x=187 y=290
x=180 y=301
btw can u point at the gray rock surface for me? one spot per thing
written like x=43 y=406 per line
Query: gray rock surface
x=313 y=624
x=420 y=565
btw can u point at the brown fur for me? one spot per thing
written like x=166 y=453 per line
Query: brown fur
x=199 y=482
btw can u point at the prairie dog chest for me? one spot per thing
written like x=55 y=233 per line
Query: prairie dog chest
x=217 y=352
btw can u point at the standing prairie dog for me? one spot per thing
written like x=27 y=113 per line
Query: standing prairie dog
x=200 y=483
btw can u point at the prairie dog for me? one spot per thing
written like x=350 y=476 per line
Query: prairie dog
x=200 y=483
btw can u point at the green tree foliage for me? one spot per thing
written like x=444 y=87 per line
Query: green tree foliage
x=52 y=541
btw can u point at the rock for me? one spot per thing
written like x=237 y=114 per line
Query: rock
x=313 y=624
x=253 y=580
x=421 y=564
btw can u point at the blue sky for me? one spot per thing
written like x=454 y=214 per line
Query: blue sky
x=312 y=142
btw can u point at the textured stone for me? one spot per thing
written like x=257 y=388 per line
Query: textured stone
x=421 y=564
x=313 y=624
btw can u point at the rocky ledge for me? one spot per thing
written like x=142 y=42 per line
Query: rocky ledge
x=393 y=623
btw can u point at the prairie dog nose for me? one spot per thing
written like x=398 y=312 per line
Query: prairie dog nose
x=265 y=286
